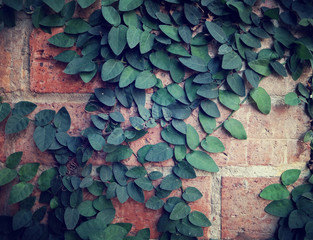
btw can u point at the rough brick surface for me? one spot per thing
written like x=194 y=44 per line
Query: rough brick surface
x=243 y=215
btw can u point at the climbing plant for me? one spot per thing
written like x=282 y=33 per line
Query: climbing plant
x=127 y=42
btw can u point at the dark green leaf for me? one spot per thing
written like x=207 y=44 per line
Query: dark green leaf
x=21 y=219
x=105 y=96
x=192 y=137
x=128 y=5
x=85 y=3
x=13 y=160
x=191 y=194
x=160 y=60
x=20 y=192
x=216 y=31
x=292 y=99
x=185 y=33
x=176 y=70
x=133 y=36
x=262 y=99
x=180 y=211
x=194 y=63
x=274 y=192
x=280 y=208
x=154 y=203
x=62 y=120
x=44 y=180
x=231 y=60
x=145 y=80
x=111 y=15
x=229 y=99
x=86 y=209
x=235 y=128
x=279 y=68
x=146 y=42
x=207 y=123
x=250 y=41
x=44 y=136
x=116 y=137
x=71 y=217
x=135 y=192
x=78 y=65
x=171 y=182
x=117 y=117
x=261 y=66
x=144 y=183
x=212 y=144
x=155 y=175
x=28 y=171
x=290 y=176
x=284 y=36
x=44 y=117
x=62 y=40
x=76 y=26
x=210 y=108
x=24 y=108
x=252 y=78
x=7 y=175
x=202 y=161
x=55 y=5
x=122 y=152
x=192 y=13
x=5 y=110
x=170 y=135
x=117 y=39
x=16 y=123
x=199 y=219
x=170 y=31
x=159 y=152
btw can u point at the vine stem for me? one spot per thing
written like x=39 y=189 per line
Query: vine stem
x=219 y=126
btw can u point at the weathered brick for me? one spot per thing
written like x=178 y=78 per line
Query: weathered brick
x=267 y=151
x=292 y=122
x=243 y=215
x=298 y=151
x=46 y=74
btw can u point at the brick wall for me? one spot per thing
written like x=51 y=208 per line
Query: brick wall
x=231 y=201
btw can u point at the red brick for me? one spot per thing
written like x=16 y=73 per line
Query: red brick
x=267 y=152
x=298 y=151
x=243 y=215
x=46 y=74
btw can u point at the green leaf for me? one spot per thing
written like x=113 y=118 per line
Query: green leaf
x=136 y=172
x=212 y=144
x=120 y=153
x=24 y=108
x=66 y=56
x=76 y=26
x=177 y=49
x=117 y=39
x=7 y=175
x=146 y=42
x=71 y=217
x=111 y=15
x=55 y=5
x=128 y=75
x=86 y=209
x=188 y=230
x=199 y=219
x=62 y=120
x=154 y=203
x=274 y=191
x=160 y=60
x=170 y=182
x=262 y=99
x=185 y=33
x=192 y=137
x=231 y=60
x=62 y=40
x=252 y=77
x=192 y=14
x=135 y=192
x=229 y=99
x=44 y=180
x=21 y=219
x=308 y=137
x=28 y=171
x=78 y=65
x=183 y=169
x=13 y=160
x=176 y=70
x=44 y=136
x=279 y=68
x=202 y=161
x=162 y=97
x=5 y=110
x=303 y=52
x=191 y=194
x=133 y=36
x=290 y=176
x=261 y=66
x=96 y=141
x=236 y=83
x=15 y=4
x=292 y=99
x=20 y=192
x=170 y=135
x=216 y=32
x=159 y=153
x=137 y=123
x=170 y=31
x=235 y=128
x=207 y=123
x=210 y=108
x=44 y=117
x=243 y=10
x=106 y=96
x=144 y=183
x=128 y=5
x=194 y=63
x=250 y=40
x=283 y=36
x=16 y=123
x=303 y=90
x=298 y=219
x=85 y=3
x=116 y=137
x=154 y=175
x=181 y=210
x=280 y=208
x=117 y=117
x=111 y=69
x=145 y=80
x=112 y=232
x=87 y=228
